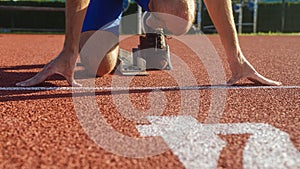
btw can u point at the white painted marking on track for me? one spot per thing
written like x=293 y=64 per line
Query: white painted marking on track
x=198 y=146
x=144 y=88
x=194 y=145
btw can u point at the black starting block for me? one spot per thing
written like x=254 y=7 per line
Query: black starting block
x=151 y=54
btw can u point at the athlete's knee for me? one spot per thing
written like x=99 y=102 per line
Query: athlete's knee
x=177 y=16
x=92 y=57
x=109 y=62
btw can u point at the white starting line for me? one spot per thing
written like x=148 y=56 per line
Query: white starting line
x=143 y=88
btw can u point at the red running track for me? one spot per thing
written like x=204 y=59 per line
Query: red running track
x=40 y=128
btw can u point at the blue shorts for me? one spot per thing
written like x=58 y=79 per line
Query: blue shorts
x=106 y=15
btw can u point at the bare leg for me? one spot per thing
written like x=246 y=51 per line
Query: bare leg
x=64 y=63
x=107 y=63
x=164 y=12
x=221 y=14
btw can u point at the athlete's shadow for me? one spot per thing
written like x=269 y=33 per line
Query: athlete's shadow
x=11 y=75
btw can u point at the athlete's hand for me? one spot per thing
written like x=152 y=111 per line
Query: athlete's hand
x=246 y=70
x=63 y=64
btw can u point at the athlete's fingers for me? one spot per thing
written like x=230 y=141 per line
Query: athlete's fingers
x=75 y=84
x=42 y=76
x=258 y=78
x=232 y=80
x=47 y=71
x=71 y=81
x=37 y=79
x=68 y=74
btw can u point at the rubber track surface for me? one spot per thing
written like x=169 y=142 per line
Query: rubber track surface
x=40 y=129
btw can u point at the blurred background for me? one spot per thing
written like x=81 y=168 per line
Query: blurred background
x=251 y=16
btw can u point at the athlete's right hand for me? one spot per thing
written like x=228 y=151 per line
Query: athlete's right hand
x=63 y=64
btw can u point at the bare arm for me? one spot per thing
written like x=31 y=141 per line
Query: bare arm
x=221 y=14
x=64 y=63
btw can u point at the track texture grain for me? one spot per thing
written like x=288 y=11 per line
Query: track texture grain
x=40 y=129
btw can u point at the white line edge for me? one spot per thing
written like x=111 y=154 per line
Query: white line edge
x=143 y=88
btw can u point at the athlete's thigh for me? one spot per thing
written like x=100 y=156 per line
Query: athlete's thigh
x=101 y=14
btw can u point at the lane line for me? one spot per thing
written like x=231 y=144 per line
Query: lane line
x=143 y=88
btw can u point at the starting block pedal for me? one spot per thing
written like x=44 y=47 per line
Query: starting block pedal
x=127 y=66
x=151 y=54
